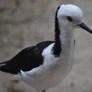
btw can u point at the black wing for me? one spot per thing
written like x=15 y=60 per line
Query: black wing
x=25 y=60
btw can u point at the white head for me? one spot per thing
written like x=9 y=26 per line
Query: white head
x=71 y=16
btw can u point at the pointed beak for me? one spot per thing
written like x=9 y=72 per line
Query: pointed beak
x=84 y=26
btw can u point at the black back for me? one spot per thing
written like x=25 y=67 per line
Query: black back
x=25 y=60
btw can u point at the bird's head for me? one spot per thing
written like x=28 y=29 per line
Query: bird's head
x=71 y=17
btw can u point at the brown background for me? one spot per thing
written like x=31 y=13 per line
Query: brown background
x=26 y=22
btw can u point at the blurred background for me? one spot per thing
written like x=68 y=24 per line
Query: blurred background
x=27 y=22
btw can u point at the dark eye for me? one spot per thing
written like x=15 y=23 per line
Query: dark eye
x=69 y=18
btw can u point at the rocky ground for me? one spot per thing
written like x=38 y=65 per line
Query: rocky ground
x=26 y=22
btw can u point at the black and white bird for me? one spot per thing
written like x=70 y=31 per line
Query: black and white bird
x=46 y=64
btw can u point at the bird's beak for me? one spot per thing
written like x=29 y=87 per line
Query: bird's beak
x=84 y=26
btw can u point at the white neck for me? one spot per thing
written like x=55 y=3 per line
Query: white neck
x=66 y=37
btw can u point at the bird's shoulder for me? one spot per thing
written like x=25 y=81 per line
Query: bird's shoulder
x=38 y=48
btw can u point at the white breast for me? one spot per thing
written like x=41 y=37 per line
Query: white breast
x=53 y=70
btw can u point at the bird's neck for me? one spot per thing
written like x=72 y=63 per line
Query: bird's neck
x=63 y=40
x=66 y=37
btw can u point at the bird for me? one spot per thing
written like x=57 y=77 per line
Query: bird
x=47 y=63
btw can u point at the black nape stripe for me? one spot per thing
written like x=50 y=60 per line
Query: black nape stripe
x=57 y=46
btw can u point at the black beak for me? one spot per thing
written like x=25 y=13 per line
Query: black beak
x=84 y=26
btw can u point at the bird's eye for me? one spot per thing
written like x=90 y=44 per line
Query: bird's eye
x=69 y=18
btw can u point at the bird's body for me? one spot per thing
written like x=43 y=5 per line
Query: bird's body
x=46 y=64
x=51 y=72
